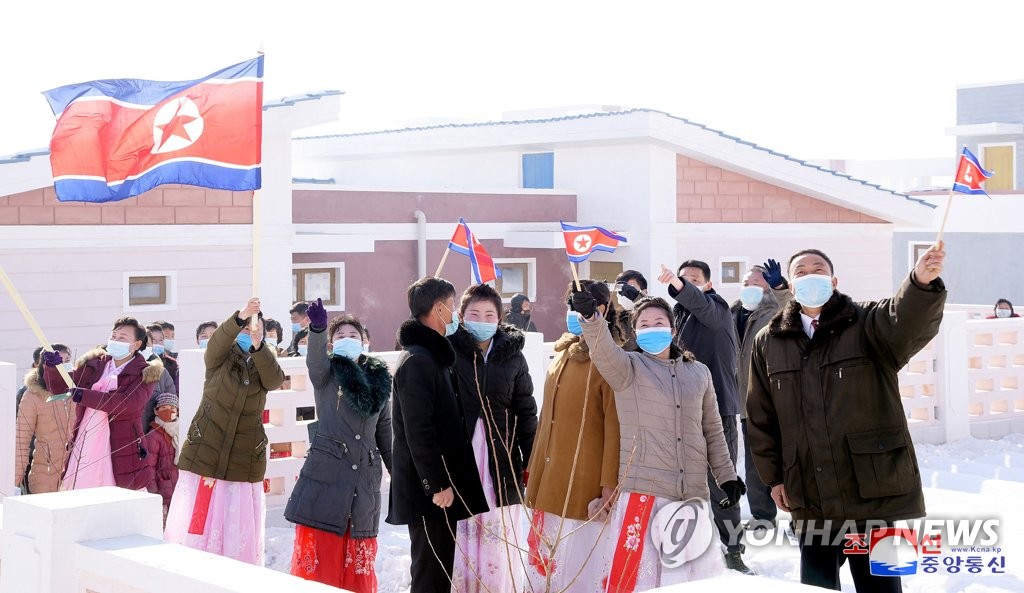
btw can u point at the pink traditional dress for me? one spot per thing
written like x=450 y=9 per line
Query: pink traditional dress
x=487 y=546
x=217 y=516
x=89 y=463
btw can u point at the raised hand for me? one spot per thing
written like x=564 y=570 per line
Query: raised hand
x=317 y=316
x=929 y=266
x=667 y=277
x=773 y=274
x=583 y=303
x=252 y=307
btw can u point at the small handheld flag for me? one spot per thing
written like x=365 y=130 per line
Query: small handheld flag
x=465 y=242
x=581 y=241
x=115 y=139
x=970 y=175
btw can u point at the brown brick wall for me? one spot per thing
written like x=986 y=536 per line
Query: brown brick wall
x=705 y=193
x=167 y=204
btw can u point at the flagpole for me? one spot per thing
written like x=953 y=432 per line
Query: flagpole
x=575 y=276
x=255 y=252
x=38 y=331
x=945 y=217
x=440 y=266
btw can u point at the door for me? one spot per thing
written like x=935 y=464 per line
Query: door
x=998 y=160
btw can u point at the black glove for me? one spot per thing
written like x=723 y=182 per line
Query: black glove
x=629 y=291
x=317 y=316
x=583 y=303
x=773 y=274
x=52 y=359
x=733 y=489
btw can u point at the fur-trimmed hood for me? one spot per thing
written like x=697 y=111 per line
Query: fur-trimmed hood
x=414 y=333
x=366 y=386
x=576 y=345
x=150 y=374
x=837 y=314
x=34 y=384
x=507 y=342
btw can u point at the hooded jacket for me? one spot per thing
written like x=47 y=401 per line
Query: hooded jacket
x=123 y=406
x=500 y=391
x=226 y=440
x=431 y=450
x=50 y=424
x=577 y=421
x=339 y=486
x=824 y=414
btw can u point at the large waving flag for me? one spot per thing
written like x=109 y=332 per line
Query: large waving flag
x=465 y=242
x=116 y=139
x=581 y=241
x=970 y=175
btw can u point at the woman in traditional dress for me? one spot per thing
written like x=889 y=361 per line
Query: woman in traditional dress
x=501 y=417
x=218 y=504
x=671 y=433
x=336 y=501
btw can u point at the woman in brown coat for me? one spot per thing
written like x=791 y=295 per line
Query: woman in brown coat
x=49 y=423
x=574 y=467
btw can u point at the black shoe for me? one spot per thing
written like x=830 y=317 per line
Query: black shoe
x=759 y=524
x=733 y=561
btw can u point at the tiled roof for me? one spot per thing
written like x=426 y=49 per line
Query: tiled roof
x=736 y=139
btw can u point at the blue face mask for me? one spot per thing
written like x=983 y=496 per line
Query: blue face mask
x=813 y=290
x=118 y=350
x=481 y=330
x=347 y=347
x=303 y=349
x=572 y=323
x=244 y=342
x=168 y=345
x=750 y=297
x=203 y=343
x=158 y=349
x=654 y=340
x=452 y=326
x=296 y=328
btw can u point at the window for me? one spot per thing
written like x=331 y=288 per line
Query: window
x=517 y=276
x=605 y=271
x=539 y=170
x=732 y=270
x=917 y=249
x=310 y=284
x=999 y=159
x=149 y=291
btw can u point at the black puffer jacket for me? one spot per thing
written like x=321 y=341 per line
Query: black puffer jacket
x=510 y=415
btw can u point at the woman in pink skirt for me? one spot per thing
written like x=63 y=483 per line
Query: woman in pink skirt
x=218 y=503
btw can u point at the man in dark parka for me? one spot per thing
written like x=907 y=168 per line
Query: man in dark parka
x=828 y=432
x=435 y=482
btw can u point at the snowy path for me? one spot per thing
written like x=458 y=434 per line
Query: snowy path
x=968 y=478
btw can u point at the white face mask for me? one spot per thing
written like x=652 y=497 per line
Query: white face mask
x=1003 y=313
x=625 y=303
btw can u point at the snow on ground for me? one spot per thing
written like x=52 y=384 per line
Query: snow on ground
x=968 y=478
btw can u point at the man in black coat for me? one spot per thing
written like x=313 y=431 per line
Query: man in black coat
x=704 y=326
x=435 y=482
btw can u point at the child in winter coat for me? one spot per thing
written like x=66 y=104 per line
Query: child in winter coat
x=162 y=444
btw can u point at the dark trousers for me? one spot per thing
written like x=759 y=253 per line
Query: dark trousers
x=432 y=544
x=759 y=496
x=727 y=520
x=819 y=567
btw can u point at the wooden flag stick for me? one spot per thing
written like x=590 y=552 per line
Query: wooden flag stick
x=38 y=331
x=945 y=217
x=440 y=266
x=575 y=276
x=255 y=253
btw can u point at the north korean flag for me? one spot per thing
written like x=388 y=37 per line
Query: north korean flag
x=465 y=242
x=116 y=139
x=970 y=175
x=581 y=241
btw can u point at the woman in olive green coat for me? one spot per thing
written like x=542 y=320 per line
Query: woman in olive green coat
x=218 y=504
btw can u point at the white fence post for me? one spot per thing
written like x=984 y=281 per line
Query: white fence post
x=9 y=420
x=952 y=384
x=537 y=361
x=41 y=532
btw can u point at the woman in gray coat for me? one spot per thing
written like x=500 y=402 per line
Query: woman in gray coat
x=336 y=501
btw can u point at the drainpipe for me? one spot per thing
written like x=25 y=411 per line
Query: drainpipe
x=421 y=243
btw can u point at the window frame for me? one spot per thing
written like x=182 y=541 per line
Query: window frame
x=336 y=269
x=530 y=277
x=169 y=291
x=523 y=168
x=742 y=265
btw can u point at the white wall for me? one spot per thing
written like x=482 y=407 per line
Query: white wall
x=75 y=292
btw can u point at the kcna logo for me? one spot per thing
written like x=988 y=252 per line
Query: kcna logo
x=895 y=551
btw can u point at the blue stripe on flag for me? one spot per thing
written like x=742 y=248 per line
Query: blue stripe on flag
x=184 y=172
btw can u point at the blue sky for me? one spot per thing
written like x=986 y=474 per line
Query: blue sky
x=863 y=80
